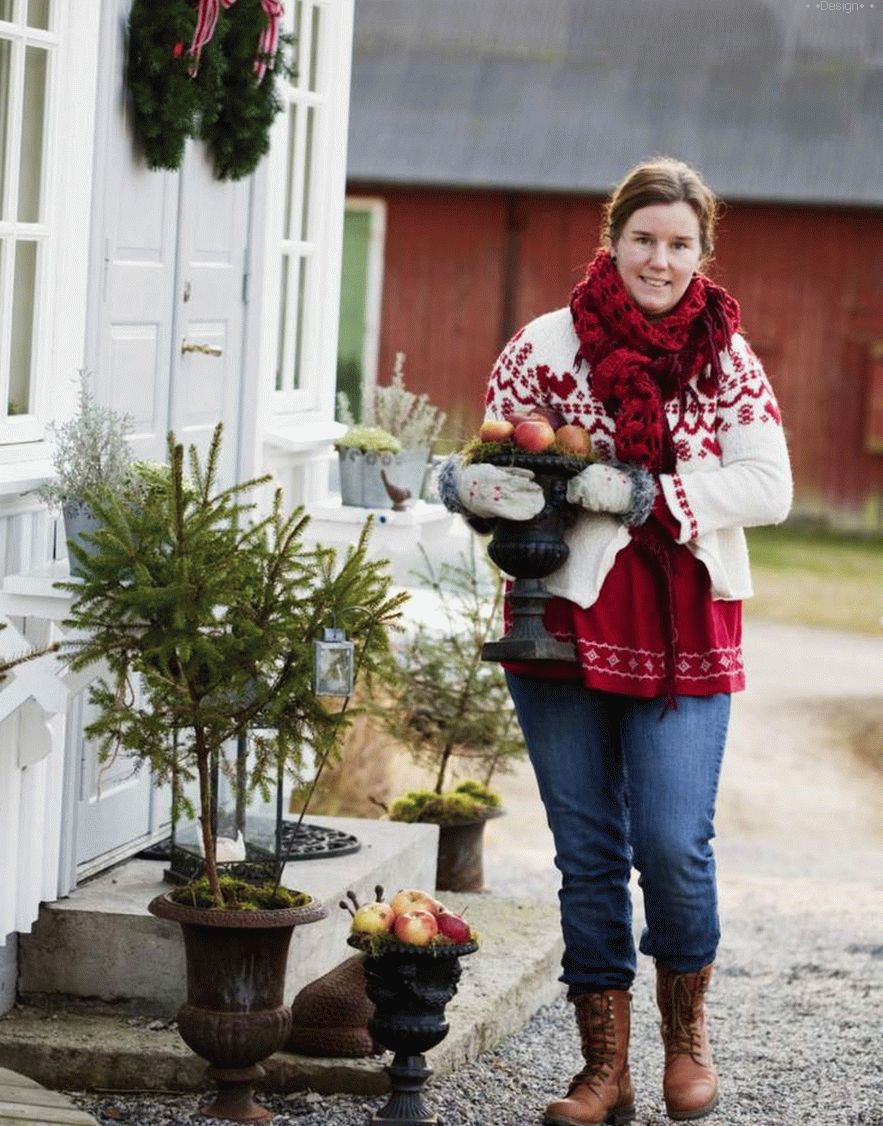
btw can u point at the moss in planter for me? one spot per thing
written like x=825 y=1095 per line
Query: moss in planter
x=469 y=801
x=476 y=451
x=370 y=439
x=239 y=895
x=374 y=945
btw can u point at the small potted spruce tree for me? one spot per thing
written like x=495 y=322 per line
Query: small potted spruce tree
x=90 y=451
x=451 y=708
x=383 y=458
x=215 y=612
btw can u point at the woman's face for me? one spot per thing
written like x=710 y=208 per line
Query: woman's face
x=657 y=253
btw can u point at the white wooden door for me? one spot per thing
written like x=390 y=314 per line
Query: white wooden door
x=165 y=345
x=209 y=306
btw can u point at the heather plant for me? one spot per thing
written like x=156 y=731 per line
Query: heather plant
x=411 y=418
x=90 y=451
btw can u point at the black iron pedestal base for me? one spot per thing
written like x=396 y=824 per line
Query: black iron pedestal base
x=407 y=1077
x=528 y=639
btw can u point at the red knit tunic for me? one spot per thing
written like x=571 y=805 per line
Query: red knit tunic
x=621 y=639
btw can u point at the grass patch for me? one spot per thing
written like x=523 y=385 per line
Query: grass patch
x=811 y=577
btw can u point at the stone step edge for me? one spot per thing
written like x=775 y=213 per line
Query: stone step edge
x=503 y=985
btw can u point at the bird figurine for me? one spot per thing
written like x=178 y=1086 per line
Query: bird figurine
x=398 y=495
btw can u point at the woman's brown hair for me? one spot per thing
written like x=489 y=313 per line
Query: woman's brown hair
x=662 y=180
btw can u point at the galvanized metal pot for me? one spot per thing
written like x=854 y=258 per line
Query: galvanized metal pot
x=361 y=484
x=235 y=1015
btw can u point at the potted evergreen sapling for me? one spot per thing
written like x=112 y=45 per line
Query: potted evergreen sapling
x=452 y=710
x=215 y=611
x=90 y=451
x=383 y=458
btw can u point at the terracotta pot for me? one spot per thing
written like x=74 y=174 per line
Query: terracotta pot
x=460 y=864
x=235 y=1015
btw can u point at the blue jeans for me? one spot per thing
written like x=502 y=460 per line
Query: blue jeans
x=623 y=786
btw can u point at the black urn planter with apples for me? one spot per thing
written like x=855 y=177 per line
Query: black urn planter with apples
x=410 y=987
x=235 y=1015
x=529 y=551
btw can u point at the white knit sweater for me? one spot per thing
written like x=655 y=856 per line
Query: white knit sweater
x=732 y=467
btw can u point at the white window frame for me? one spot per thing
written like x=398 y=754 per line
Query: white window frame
x=63 y=232
x=313 y=399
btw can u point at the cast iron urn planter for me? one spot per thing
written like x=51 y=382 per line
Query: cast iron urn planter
x=410 y=987
x=235 y=1015
x=529 y=551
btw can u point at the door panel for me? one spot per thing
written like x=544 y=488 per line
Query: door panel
x=209 y=307
x=137 y=239
x=169 y=251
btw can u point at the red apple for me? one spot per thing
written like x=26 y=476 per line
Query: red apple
x=373 y=918
x=533 y=436
x=574 y=440
x=412 y=899
x=417 y=928
x=453 y=926
x=495 y=430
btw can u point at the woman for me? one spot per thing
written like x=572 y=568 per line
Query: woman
x=627 y=741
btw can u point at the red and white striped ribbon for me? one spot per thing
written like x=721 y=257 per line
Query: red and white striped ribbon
x=207 y=19
x=273 y=10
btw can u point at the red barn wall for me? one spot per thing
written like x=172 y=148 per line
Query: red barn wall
x=465 y=269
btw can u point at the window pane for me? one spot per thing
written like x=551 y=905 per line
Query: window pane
x=292 y=116
x=38 y=14
x=298 y=20
x=6 y=9
x=308 y=167
x=298 y=344
x=314 y=50
x=22 y=327
x=32 y=136
x=5 y=52
x=283 y=322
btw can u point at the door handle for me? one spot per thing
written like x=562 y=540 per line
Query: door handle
x=202 y=349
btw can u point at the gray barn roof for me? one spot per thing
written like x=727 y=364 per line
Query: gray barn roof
x=771 y=99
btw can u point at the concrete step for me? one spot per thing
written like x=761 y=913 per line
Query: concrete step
x=100 y=945
x=24 y=1101
x=512 y=975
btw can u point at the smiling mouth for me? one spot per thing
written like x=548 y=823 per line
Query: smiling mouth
x=654 y=283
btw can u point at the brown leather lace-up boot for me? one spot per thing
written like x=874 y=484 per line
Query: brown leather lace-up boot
x=690 y=1083
x=602 y=1091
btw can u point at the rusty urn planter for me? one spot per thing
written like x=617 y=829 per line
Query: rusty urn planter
x=460 y=865
x=410 y=987
x=529 y=551
x=235 y=1015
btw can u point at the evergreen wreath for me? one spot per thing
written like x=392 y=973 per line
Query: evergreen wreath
x=239 y=133
x=168 y=104
x=227 y=102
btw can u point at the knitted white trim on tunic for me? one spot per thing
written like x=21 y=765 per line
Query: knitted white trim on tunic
x=732 y=468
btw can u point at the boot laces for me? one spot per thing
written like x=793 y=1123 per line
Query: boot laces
x=683 y=1030
x=598 y=1036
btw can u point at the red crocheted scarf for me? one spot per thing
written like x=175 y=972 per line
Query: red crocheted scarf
x=637 y=365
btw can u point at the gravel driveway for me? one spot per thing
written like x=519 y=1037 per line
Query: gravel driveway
x=795 y=1006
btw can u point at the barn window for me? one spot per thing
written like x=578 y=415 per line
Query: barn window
x=28 y=59
x=358 y=339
